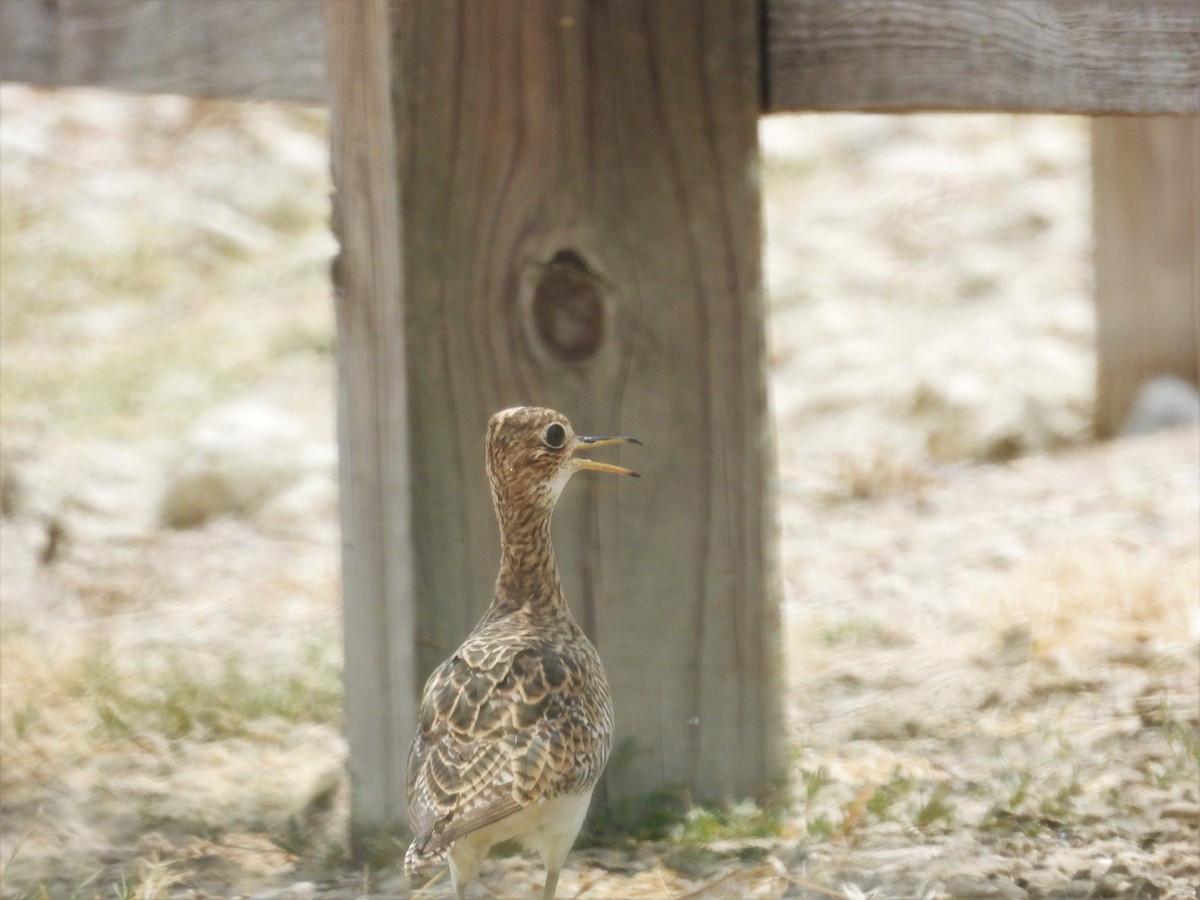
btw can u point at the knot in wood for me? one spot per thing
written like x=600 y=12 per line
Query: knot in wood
x=568 y=308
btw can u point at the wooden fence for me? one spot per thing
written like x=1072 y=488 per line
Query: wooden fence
x=1092 y=57
x=482 y=149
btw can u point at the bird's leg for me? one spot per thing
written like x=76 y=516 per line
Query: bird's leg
x=551 y=884
x=465 y=858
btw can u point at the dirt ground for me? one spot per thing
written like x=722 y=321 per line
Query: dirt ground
x=993 y=623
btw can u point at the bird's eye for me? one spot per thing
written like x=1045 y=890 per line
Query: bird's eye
x=554 y=435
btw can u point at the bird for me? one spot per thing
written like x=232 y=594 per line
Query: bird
x=517 y=724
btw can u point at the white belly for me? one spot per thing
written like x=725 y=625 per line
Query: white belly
x=549 y=827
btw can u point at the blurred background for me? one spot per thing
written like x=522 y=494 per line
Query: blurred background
x=992 y=622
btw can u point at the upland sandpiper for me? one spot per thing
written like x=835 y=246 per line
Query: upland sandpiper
x=517 y=724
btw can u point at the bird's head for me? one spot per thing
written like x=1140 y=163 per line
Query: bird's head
x=531 y=455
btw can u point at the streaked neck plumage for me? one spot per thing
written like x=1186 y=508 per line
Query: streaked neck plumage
x=528 y=574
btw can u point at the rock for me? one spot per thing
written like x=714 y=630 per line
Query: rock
x=1143 y=889
x=293 y=512
x=1164 y=402
x=1117 y=888
x=1183 y=810
x=237 y=459
x=12 y=487
x=1075 y=889
x=57 y=538
x=886 y=725
x=301 y=890
x=968 y=416
x=966 y=888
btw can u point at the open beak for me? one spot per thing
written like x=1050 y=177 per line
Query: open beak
x=582 y=441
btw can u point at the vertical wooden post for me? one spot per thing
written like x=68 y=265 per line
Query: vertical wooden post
x=1146 y=175
x=373 y=441
x=580 y=226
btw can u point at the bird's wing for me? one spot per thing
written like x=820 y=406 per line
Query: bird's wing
x=501 y=727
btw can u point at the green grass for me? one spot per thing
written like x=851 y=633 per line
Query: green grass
x=628 y=820
x=178 y=695
x=1183 y=742
x=184 y=699
x=885 y=798
x=936 y=808
x=736 y=821
x=815 y=781
x=1031 y=800
x=670 y=816
x=834 y=810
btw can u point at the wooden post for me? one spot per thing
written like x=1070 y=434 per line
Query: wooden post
x=1146 y=173
x=373 y=439
x=579 y=223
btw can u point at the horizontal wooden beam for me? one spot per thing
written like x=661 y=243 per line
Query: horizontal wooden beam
x=251 y=49
x=1071 y=56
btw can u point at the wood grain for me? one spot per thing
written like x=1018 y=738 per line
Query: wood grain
x=379 y=610
x=262 y=49
x=1078 y=56
x=603 y=153
x=1147 y=257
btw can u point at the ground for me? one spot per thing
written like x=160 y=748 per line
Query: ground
x=992 y=628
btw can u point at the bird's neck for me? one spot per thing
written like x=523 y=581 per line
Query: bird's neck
x=528 y=576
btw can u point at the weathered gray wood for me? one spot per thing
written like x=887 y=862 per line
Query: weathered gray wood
x=250 y=49
x=377 y=558
x=580 y=227
x=1080 y=56
x=1147 y=257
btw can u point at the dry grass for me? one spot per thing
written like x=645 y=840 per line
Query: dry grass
x=879 y=475
x=68 y=701
x=154 y=881
x=96 y=741
x=169 y=700
x=1085 y=598
x=767 y=878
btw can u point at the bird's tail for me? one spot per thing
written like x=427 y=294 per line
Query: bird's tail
x=420 y=859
